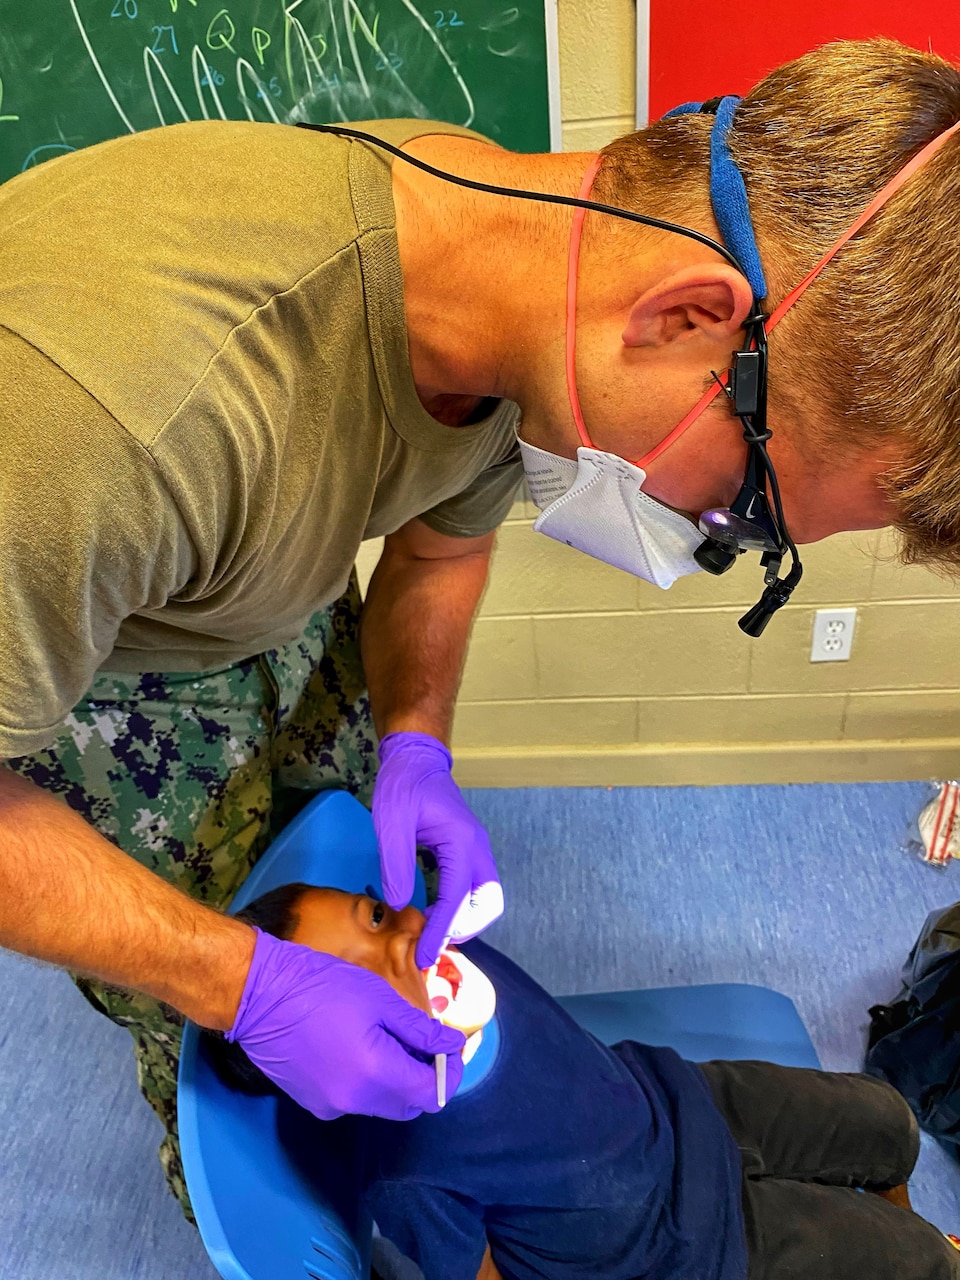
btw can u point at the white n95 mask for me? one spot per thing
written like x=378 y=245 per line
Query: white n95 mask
x=597 y=506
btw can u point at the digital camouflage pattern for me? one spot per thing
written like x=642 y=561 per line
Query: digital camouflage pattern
x=193 y=774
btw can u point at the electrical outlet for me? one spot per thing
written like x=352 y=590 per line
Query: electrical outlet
x=832 y=635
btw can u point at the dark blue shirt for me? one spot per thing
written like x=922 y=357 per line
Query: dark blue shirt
x=574 y=1160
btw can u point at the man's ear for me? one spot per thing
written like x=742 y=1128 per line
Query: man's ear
x=710 y=301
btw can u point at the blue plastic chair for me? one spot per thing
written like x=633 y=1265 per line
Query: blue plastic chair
x=276 y=1192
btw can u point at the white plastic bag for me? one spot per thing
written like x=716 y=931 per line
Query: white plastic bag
x=939 y=825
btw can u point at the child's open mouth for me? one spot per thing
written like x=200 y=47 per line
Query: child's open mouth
x=460 y=994
x=447 y=971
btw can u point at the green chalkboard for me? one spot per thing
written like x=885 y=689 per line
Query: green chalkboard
x=74 y=72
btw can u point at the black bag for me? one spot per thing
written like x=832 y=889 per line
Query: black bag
x=914 y=1042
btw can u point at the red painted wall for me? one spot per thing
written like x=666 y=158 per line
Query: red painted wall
x=699 y=48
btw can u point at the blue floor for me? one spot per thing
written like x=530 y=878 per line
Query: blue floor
x=805 y=889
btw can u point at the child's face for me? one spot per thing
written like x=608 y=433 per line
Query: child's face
x=366 y=932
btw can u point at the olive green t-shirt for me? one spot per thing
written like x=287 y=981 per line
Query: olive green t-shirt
x=207 y=404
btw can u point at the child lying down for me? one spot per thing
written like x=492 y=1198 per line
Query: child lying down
x=573 y=1160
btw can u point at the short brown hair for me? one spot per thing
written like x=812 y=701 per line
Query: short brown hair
x=874 y=345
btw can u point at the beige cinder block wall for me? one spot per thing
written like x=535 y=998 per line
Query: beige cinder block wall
x=580 y=674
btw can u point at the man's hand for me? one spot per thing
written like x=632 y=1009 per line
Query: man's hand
x=337 y=1038
x=416 y=801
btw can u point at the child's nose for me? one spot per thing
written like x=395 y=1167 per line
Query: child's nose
x=411 y=920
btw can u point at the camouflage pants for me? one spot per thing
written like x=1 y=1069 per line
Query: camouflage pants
x=192 y=774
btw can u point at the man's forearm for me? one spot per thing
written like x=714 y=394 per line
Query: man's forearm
x=70 y=897
x=416 y=624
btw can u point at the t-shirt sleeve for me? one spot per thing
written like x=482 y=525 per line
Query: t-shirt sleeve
x=441 y=1232
x=88 y=534
x=484 y=504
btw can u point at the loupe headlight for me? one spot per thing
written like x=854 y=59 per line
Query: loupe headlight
x=726 y=536
x=734 y=533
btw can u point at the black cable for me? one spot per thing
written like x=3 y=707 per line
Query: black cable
x=796 y=567
x=756 y=333
x=541 y=197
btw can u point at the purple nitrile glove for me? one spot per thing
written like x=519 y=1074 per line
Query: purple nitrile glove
x=338 y=1038
x=416 y=801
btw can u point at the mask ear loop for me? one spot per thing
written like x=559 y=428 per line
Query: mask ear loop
x=573 y=269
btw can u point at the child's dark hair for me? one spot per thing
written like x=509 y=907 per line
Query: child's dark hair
x=274 y=912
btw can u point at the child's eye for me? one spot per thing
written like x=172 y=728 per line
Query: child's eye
x=377 y=913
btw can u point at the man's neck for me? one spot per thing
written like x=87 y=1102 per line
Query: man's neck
x=484 y=275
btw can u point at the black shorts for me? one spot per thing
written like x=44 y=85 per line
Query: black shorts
x=808 y=1140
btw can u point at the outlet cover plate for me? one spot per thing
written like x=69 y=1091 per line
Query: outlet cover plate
x=832 y=635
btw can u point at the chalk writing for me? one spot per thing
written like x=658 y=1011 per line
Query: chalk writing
x=98 y=68
x=3 y=117
x=408 y=4
x=244 y=69
x=150 y=63
x=506 y=19
x=352 y=41
x=39 y=154
x=221 y=31
x=261 y=42
x=294 y=31
x=210 y=78
x=157 y=46
x=128 y=7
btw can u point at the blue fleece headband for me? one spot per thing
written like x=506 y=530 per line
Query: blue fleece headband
x=728 y=195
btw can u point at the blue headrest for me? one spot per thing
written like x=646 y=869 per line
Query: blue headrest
x=482 y=1062
x=728 y=195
